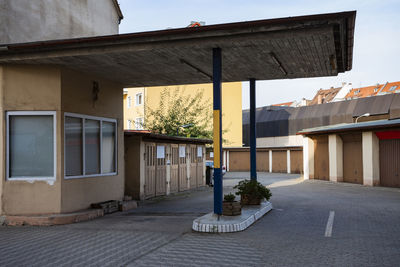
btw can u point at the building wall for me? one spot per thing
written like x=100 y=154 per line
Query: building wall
x=231 y=106
x=77 y=97
x=28 y=21
x=28 y=88
x=280 y=141
x=135 y=111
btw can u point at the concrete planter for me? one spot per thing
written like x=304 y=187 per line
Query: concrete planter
x=231 y=208
x=249 y=200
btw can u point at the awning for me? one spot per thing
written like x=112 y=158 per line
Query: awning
x=346 y=127
x=286 y=48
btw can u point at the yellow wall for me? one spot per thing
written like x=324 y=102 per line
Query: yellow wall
x=77 y=97
x=231 y=106
x=41 y=88
x=135 y=111
x=30 y=88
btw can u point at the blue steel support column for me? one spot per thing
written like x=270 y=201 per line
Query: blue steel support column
x=217 y=123
x=253 y=135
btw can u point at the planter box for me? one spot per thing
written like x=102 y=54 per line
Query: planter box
x=231 y=208
x=249 y=200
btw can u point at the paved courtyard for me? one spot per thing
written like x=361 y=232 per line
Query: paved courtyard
x=313 y=223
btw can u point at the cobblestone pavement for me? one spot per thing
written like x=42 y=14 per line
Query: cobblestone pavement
x=365 y=232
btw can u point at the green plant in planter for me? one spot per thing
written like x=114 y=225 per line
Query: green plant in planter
x=252 y=192
x=229 y=197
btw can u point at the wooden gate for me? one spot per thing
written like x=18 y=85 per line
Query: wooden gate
x=161 y=171
x=150 y=174
x=389 y=162
x=174 y=184
x=199 y=169
x=193 y=166
x=182 y=168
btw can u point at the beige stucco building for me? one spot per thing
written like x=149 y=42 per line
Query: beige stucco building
x=135 y=100
x=50 y=106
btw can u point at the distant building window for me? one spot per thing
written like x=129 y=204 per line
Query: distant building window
x=356 y=92
x=139 y=123
x=139 y=99
x=129 y=124
x=129 y=100
x=393 y=88
x=376 y=90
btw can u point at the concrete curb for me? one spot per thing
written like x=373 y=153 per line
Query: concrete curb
x=51 y=219
x=211 y=223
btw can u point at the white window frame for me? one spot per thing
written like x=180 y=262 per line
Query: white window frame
x=129 y=100
x=141 y=99
x=31 y=113
x=100 y=119
x=137 y=126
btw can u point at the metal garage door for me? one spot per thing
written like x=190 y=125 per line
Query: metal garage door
x=182 y=168
x=262 y=161
x=150 y=171
x=161 y=171
x=174 y=185
x=352 y=158
x=321 y=158
x=239 y=161
x=389 y=162
x=279 y=161
x=296 y=161
x=193 y=166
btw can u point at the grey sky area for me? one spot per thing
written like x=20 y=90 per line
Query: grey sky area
x=376 y=45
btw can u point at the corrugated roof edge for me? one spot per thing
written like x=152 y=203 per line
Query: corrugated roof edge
x=345 y=127
x=167 y=137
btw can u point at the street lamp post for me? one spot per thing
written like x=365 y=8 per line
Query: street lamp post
x=363 y=115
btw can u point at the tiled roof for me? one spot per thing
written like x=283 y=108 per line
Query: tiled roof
x=325 y=95
x=379 y=89
x=287 y=104
x=391 y=88
x=364 y=91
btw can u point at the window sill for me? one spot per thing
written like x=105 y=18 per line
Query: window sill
x=90 y=176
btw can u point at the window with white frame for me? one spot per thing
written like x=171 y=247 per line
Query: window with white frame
x=139 y=123
x=129 y=124
x=139 y=99
x=90 y=146
x=31 y=145
x=129 y=102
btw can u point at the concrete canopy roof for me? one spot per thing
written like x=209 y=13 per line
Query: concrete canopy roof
x=294 y=47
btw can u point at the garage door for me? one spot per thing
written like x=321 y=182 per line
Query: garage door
x=262 y=161
x=389 y=162
x=239 y=161
x=279 y=161
x=321 y=158
x=352 y=158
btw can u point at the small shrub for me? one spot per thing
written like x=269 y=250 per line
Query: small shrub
x=253 y=188
x=229 y=197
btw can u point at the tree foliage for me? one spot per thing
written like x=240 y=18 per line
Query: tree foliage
x=177 y=109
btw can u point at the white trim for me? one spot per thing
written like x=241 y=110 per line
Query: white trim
x=31 y=113
x=100 y=120
x=288 y=161
x=136 y=99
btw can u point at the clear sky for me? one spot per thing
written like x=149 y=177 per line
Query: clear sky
x=376 y=46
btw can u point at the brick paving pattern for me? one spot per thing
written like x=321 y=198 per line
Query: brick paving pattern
x=366 y=231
